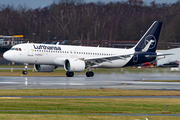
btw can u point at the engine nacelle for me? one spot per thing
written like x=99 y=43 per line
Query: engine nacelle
x=44 y=68
x=74 y=65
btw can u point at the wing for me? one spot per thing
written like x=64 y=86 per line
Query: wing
x=93 y=61
x=120 y=56
x=96 y=61
x=124 y=56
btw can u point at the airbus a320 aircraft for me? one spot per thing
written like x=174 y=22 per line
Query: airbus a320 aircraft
x=47 y=57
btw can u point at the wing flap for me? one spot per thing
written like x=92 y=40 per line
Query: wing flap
x=108 y=58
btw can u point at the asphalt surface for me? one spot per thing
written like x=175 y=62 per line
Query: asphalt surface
x=114 y=81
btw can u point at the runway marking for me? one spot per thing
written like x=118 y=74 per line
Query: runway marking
x=10 y=97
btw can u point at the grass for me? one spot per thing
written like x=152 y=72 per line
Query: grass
x=86 y=109
x=15 y=66
x=86 y=92
x=82 y=117
x=30 y=73
x=87 y=106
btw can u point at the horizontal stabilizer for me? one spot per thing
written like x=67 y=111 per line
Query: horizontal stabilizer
x=150 y=56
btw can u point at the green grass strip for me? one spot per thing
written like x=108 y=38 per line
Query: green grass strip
x=106 y=106
x=86 y=92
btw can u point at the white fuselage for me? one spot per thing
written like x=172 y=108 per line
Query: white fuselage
x=48 y=54
x=47 y=57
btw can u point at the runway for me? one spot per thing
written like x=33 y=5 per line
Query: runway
x=99 y=81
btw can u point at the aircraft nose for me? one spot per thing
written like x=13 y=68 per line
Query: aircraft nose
x=7 y=56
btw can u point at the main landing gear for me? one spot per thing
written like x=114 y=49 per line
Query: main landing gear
x=69 y=74
x=24 y=72
x=88 y=74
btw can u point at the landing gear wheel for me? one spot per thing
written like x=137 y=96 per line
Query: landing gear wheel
x=24 y=72
x=89 y=74
x=69 y=74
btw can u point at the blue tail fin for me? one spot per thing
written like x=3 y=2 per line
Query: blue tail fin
x=151 y=35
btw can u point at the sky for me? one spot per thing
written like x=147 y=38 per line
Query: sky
x=42 y=3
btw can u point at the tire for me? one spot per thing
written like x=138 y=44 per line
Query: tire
x=24 y=72
x=69 y=74
x=89 y=74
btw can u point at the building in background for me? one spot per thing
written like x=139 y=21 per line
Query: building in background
x=6 y=41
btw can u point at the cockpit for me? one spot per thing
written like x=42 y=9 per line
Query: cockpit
x=17 y=49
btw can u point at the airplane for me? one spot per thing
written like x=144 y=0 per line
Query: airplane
x=47 y=57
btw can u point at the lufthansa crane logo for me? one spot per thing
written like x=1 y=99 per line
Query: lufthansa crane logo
x=148 y=39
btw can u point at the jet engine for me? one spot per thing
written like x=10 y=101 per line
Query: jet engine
x=74 y=65
x=44 y=68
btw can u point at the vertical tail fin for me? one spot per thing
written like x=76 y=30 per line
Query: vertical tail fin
x=151 y=36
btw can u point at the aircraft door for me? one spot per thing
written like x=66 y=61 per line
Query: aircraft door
x=30 y=49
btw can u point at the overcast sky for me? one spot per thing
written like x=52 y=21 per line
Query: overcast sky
x=42 y=3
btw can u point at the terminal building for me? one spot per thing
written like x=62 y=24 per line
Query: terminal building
x=6 y=41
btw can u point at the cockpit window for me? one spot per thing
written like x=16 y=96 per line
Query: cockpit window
x=17 y=49
x=12 y=48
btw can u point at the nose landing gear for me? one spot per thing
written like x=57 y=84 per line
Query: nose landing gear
x=24 y=72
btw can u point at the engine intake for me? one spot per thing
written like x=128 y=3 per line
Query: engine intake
x=74 y=65
x=44 y=68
